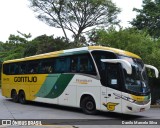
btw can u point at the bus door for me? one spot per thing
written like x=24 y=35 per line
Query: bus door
x=114 y=87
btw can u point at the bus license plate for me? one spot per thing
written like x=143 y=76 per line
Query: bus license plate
x=142 y=109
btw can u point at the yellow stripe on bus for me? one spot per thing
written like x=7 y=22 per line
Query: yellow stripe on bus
x=138 y=98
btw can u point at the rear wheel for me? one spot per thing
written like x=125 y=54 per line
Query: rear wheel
x=88 y=105
x=14 y=96
x=22 y=97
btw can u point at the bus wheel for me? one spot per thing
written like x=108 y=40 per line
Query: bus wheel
x=21 y=97
x=88 y=105
x=14 y=96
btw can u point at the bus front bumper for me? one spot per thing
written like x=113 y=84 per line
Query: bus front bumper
x=133 y=107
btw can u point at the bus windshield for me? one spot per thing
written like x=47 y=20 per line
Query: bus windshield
x=137 y=81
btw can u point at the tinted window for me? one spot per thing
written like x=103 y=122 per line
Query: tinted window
x=32 y=67
x=83 y=64
x=46 y=66
x=43 y=66
x=22 y=68
x=6 y=68
x=98 y=55
x=113 y=75
x=62 y=65
x=14 y=68
x=76 y=64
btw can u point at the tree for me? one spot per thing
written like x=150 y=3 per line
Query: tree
x=76 y=15
x=11 y=51
x=16 y=39
x=14 y=47
x=45 y=44
x=18 y=47
x=148 y=17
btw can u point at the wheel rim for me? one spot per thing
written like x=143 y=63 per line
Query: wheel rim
x=14 y=97
x=90 y=105
x=22 y=98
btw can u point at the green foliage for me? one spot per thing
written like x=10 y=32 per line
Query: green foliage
x=76 y=15
x=148 y=17
x=14 y=47
x=19 y=47
x=44 y=44
x=16 y=39
x=14 y=54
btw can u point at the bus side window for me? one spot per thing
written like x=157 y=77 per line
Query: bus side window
x=91 y=67
x=113 y=79
x=83 y=64
x=86 y=65
x=12 y=69
x=32 y=67
x=6 y=69
x=62 y=65
x=22 y=68
x=74 y=63
x=46 y=66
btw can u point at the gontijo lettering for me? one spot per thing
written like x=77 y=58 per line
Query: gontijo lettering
x=25 y=79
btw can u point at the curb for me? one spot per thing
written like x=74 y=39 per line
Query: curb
x=155 y=106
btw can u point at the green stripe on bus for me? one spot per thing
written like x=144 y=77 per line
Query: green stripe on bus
x=60 y=85
x=47 y=86
x=54 y=85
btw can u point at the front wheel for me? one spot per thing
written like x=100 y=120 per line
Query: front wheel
x=22 y=97
x=88 y=105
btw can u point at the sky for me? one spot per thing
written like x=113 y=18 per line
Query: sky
x=15 y=15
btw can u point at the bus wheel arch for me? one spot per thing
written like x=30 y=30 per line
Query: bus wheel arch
x=88 y=104
x=22 y=97
x=14 y=95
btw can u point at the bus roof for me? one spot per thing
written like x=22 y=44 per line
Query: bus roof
x=73 y=51
x=115 y=50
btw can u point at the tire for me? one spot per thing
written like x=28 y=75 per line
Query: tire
x=22 y=97
x=14 y=96
x=88 y=105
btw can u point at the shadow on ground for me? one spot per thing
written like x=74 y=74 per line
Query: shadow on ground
x=111 y=115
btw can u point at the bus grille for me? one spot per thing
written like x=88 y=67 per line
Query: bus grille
x=142 y=102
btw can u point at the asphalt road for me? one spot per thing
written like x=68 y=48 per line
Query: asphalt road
x=71 y=117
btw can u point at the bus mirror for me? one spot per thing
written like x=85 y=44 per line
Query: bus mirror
x=154 y=68
x=126 y=65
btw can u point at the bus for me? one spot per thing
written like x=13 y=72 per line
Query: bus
x=91 y=78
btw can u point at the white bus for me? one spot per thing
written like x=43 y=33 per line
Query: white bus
x=92 y=78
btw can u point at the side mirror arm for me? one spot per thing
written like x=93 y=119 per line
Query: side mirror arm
x=154 y=68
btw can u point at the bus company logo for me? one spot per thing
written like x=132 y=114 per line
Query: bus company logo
x=110 y=106
x=25 y=79
x=124 y=97
x=85 y=81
